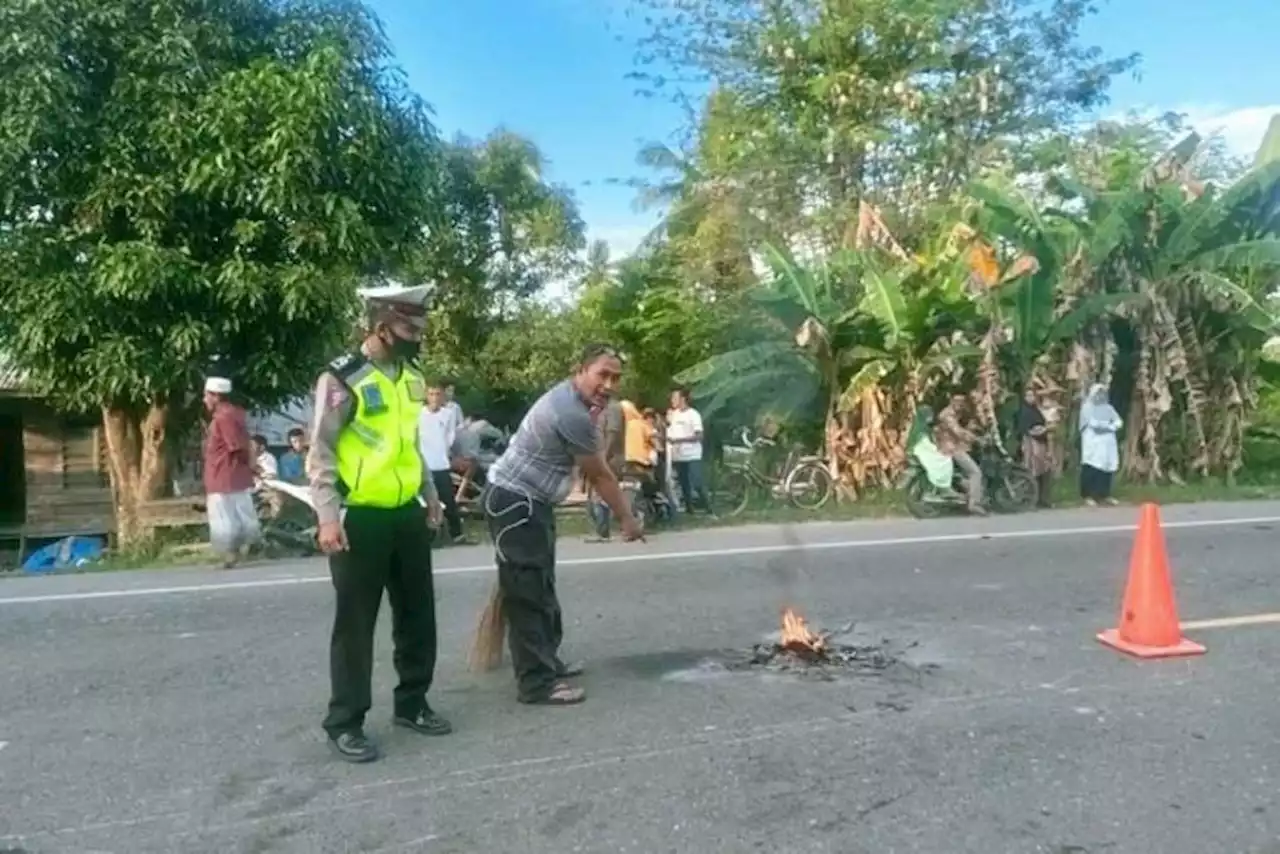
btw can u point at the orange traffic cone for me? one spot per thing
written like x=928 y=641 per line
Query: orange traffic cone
x=1149 y=626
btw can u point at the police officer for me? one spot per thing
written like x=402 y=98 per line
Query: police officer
x=376 y=506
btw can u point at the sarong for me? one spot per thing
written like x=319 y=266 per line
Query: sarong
x=233 y=521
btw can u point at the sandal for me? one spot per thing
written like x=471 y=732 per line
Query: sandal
x=561 y=694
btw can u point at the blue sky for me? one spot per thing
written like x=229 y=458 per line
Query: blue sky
x=554 y=70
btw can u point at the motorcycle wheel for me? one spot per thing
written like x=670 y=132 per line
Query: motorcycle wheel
x=1015 y=491
x=916 y=493
x=291 y=537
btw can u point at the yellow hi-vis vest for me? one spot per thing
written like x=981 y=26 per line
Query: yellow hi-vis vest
x=378 y=460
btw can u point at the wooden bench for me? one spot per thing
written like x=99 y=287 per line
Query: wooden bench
x=182 y=512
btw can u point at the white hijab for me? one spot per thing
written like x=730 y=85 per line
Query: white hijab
x=1097 y=407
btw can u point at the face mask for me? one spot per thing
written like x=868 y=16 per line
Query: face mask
x=402 y=349
x=406 y=350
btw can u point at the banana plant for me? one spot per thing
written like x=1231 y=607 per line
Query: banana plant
x=922 y=325
x=1029 y=301
x=1192 y=271
x=847 y=331
x=797 y=366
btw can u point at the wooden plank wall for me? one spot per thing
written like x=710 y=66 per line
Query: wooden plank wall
x=68 y=490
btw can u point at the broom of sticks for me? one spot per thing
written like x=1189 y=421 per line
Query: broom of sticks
x=491 y=631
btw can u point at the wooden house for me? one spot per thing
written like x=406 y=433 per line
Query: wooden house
x=53 y=470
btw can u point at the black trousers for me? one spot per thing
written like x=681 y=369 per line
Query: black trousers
x=1095 y=483
x=444 y=488
x=388 y=549
x=524 y=542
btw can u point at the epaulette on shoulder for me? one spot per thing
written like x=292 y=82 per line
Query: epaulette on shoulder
x=347 y=364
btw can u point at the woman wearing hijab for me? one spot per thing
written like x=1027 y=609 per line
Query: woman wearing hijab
x=1099 y=449
x=938 y=467
x=1032 y=429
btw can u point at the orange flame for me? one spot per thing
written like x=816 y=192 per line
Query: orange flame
x=796 y=636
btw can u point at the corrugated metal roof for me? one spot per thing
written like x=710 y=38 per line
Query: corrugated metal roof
x=12 y=378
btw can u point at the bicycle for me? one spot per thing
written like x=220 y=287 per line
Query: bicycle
x=804 y=479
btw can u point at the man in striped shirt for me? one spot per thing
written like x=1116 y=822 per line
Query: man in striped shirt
x=533 y=475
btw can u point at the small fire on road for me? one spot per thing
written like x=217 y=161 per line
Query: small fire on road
x=797 y=639
x=820 y=654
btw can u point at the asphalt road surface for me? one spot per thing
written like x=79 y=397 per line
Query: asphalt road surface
x=178 y=711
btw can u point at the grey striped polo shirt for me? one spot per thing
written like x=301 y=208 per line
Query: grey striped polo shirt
x=538 y=463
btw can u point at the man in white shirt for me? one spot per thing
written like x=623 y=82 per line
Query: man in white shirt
x=264 y=462
x=684 y=438
x=437 y=431
x=452 y=406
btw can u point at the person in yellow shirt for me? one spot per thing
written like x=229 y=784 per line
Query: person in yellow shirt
x=639 y=444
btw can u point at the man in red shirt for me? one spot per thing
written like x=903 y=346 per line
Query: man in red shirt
x=228 y=475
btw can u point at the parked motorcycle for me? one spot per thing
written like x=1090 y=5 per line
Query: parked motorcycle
x=1007 y=486
x=648 y=503
x=468 y=496
x=289 y=523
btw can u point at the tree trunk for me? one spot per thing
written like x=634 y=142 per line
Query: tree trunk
x=136 y=461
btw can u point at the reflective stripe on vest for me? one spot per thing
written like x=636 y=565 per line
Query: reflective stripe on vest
x=378 y=460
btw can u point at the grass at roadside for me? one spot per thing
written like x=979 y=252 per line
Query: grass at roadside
x=889 y=504
x=179 y=551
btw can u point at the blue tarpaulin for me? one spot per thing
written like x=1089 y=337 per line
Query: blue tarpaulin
x=69 y=551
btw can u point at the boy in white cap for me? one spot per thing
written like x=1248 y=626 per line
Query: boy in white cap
x=376 y=504
x=228 y=475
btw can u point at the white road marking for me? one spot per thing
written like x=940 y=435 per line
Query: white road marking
x=1231 y=622
x=3 y=745
x=644 y=557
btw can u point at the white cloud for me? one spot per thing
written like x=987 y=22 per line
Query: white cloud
x=1241 y=128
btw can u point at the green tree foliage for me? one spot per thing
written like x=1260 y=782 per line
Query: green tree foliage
x=661 y=323
x=183 y=181
x=842 y=334
x=817 y=105
x=1115 y=154
x=1199 y=269
x=1133 y=249
x=1152 y=268
x=525 y=357
x=503 y=235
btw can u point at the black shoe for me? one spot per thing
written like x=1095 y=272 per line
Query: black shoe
x=353 y=747
x=425 y=722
